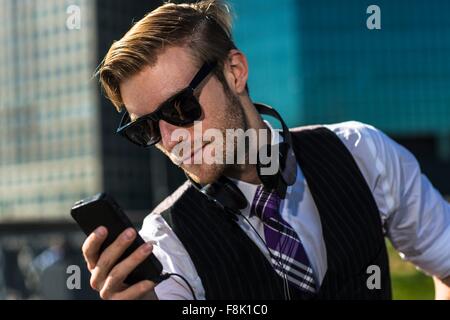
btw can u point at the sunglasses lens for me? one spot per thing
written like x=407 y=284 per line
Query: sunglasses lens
x=182 y=110
x=143 y=133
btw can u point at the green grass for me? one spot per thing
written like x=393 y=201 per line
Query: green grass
x=407 y=282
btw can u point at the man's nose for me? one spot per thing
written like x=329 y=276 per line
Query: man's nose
x=167 y=130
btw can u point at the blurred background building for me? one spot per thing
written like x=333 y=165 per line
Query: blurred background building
x=57 y=140
x=315 y=61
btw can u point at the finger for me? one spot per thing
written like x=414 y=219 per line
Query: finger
x=91 y=246
x=120 y=272
x=109 y=257
x=140 y=290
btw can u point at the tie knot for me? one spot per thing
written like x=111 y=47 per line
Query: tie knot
x=264 y=203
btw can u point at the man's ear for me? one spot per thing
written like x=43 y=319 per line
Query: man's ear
x=236 y=71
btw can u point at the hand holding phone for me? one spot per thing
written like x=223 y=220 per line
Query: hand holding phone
x=119 y=259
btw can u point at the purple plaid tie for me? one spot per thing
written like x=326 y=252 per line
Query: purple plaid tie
x=286 y=249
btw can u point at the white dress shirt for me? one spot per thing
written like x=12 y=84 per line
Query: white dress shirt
x=415 y=216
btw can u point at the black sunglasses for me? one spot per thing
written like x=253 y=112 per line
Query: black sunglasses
x=182 y=109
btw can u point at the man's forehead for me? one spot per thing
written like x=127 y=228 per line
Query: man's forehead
x=145 y=91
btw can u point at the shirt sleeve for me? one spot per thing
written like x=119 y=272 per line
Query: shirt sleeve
x=416 y=218
x=174 y=258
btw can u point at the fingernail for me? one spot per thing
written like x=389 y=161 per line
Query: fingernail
x=129 y=234
x=100 y=231
x=146 y=248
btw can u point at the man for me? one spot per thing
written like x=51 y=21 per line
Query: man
x=353 y=184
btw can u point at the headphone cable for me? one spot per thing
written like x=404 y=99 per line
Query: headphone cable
x=165 y=276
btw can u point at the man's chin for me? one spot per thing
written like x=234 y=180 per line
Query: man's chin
x=204 y=174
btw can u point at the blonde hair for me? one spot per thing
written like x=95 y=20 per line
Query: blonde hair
x=204 y=27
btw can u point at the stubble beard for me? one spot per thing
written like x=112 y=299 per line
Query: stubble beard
x=232 y=117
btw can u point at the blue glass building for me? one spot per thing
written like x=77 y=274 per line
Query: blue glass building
x=318 y=62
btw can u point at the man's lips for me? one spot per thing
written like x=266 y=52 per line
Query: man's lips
x=191 y=155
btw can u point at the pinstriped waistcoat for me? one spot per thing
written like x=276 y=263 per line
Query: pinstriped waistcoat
x=231 y=266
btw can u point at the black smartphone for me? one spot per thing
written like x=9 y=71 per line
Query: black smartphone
x=103 y=210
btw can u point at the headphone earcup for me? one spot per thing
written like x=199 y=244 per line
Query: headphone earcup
x=288 y=164
x=270 y=180
x=227 y=193
x=223 y=193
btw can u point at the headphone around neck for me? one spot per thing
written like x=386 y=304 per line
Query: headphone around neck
x=224 y=192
